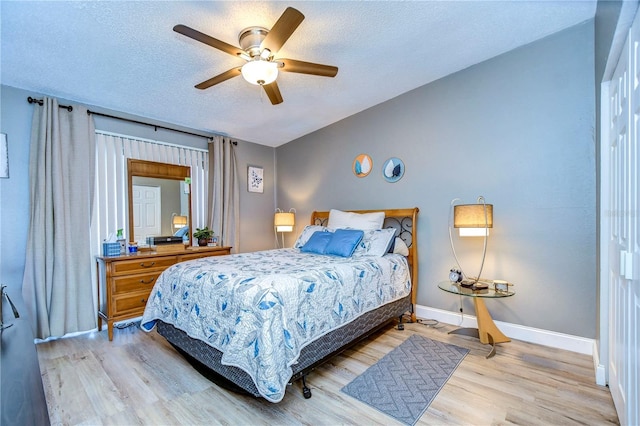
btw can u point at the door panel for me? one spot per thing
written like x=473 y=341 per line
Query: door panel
x=624 y=233
x=146 y=212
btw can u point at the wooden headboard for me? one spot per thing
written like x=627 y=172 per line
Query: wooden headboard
x=405 y=222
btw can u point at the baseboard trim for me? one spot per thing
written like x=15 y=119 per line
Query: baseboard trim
x=600 y=369
x=527 y=334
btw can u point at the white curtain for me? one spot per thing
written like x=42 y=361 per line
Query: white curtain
x=224 y=193
x=57 y=282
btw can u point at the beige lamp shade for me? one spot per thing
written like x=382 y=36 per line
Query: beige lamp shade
x=284 y=222
x=179 y=221
x=471 y=219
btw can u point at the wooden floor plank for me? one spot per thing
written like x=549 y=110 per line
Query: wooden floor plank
x=140 y=379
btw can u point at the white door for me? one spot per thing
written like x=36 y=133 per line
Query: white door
x=146 y=212
x=624 y=231
x=631 y=267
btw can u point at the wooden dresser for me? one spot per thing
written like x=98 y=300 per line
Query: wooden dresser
x=125 y=282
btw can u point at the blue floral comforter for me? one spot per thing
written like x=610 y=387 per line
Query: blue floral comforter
x=260 y=309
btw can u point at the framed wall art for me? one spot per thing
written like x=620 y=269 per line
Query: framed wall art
x=362 y=165
x=255 y=179
x=393 y=169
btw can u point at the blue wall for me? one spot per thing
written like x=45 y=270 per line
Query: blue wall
x=518 y=129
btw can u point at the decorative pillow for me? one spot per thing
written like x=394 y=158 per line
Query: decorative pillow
x=399 y=247
x=306 y=233
x=317 y=243
x=364 y=221
x=375 y=243
x=343 y=242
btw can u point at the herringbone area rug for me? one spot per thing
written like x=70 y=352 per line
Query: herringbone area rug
x=405 y=381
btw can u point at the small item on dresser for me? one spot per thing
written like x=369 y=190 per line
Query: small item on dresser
x=121 y=241
x=111 y=249
x=133 y=248
x=160 y=240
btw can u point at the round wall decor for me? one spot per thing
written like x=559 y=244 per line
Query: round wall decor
x=393 y=169
x=362 y=165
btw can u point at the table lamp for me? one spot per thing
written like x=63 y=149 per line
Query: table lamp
x=471 y=220
x=284 y=222
x=179 y=221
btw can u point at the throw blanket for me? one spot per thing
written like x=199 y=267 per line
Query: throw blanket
x=260 y=309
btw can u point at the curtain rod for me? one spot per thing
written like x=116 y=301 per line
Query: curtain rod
x=155 y=126
x=40 y=102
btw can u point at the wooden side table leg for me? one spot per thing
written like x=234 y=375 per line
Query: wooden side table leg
x=489 y=332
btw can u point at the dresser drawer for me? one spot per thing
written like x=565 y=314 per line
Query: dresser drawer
x=129 y=283
x=131 y=302
x=143 y=265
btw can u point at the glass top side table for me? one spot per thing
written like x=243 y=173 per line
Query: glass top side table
x=487 y=331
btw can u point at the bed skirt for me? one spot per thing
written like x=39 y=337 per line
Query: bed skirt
x=206 y=359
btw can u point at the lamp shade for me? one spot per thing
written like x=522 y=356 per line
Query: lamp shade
x=179 y=221
x=471 y=219
x=284 y=222
x=260 y=72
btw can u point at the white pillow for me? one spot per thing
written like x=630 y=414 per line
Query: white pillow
x=306 y=233
x=400 y=247
x=375 y=242
x=364 y=221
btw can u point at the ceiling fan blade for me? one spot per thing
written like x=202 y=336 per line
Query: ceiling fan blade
x=282 y=30
x=213 y=42
x=273 y=92
x=292 y=65
x=233 y=72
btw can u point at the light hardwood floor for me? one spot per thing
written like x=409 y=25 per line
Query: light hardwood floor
x=140 y=379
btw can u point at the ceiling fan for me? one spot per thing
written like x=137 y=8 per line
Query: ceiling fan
x=259 y=47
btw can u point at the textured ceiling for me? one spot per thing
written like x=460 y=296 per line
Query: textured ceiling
x=124 y=55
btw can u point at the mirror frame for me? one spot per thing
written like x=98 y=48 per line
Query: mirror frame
x=152 y=169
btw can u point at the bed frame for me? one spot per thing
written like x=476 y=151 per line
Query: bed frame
x=206 y=359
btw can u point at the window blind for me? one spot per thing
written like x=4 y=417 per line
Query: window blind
x=110 y=210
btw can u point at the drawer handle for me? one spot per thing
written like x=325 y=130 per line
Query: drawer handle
x=147 y=266
x=147 y=282
x=144 y=300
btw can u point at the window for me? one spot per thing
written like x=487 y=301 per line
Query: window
x=110 y=210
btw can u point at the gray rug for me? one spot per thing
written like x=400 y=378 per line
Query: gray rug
x=405 y=381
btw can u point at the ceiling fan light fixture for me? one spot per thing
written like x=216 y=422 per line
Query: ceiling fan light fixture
x=260 y=72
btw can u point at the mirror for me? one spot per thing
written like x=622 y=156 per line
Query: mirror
x=159 y=200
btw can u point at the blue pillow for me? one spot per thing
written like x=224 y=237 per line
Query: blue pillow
x=343 y=242
x=182 y=232
x=317 y=242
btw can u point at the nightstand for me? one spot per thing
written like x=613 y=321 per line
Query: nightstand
x=487 y=331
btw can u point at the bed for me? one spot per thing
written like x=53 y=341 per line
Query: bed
x=256 y=322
